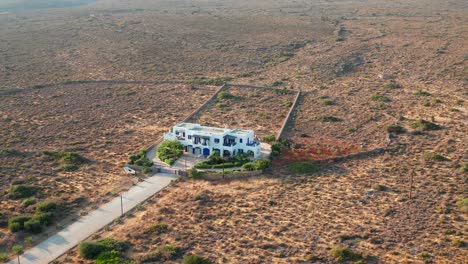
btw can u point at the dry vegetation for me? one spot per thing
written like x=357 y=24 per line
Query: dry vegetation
x=101 y=122
x=263 y=110
x=363 y=66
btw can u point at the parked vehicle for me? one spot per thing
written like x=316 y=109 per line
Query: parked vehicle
x=129 y=170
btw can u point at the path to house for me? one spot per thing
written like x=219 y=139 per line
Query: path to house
x=73 y=234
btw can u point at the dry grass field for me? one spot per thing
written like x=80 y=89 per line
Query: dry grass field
x=103 y=123
x=362 y=66
x=263 y=110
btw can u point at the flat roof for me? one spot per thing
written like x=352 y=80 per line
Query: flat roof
x=213 y=130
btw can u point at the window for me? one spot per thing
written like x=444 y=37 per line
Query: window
x=216 y=140
x=177 y=132
x=189 y=137
x=240 y=140
x=241 y=151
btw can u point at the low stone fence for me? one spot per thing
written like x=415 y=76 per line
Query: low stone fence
x=231 y=176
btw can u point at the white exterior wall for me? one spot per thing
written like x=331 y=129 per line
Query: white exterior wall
x=191 y=130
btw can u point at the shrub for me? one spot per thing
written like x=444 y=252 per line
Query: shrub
x=303 y=167
x=397 y=129
x=433 y=156
x=170 y=150
x=16 y=223
x=380 y=98
x=111 y=244
x=70 y=160
x=46 y=207
x=46 y=218
x=195 y=259
x=145 y=170
x=328 y=102
x=158 y=228
x=249 y=166
x=3 y=219
x=262 y=164
x=392 y=85
x=140 y=159
x=276 y=149
x=69 y=167
x=463 y=205
x=90 y=250
x=269 y=138
x=28 y=202
x=344 y=254
x=109 y=257
x=225 y=96
x=379 y=187
x=22 y=191
x=3 y=257
x=422 y=93
x=33 y=226
x=167 y=252
x=330 y=119
x=194 y=174
x=424 y=125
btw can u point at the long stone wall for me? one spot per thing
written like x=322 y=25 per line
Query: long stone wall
x=289 y=115
x=231 y=176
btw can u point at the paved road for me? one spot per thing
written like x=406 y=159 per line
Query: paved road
x=73 y=234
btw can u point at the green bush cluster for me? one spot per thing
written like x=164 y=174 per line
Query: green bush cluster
x=3 y=219
x=380 y=98
x=422 y=93
x=22 y=191
x=225 y=96
x=44 y=216
x=3 y=257
x=303 y=167
x=259 y=164
x=164 y=253
x=397 y=129
x=276 y=149
x=140 y=159
x=433 y=156
x=330 y=119
x=105 y=250
x=392 y=85
x=170 y=150
x=269 y=138
x=344 y=254
x=424 y=125
x=194 y=174
x=195 y=259
x=216 y=162
x=158 y=228
x=69 y=161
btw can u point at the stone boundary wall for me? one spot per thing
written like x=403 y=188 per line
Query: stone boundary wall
x=288 y=116
x=231 y=176
x=203 y=106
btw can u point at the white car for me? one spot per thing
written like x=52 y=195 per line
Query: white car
x=129 y=170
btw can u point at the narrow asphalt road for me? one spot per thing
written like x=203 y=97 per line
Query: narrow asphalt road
x=58 y=244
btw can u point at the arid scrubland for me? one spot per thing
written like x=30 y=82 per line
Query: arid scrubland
x=373 y=74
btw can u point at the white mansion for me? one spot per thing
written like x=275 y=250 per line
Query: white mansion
x=203 y=140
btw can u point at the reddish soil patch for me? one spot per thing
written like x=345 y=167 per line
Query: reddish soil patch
x=310 y=149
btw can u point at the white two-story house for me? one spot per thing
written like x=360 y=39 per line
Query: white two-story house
x=203 y=140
